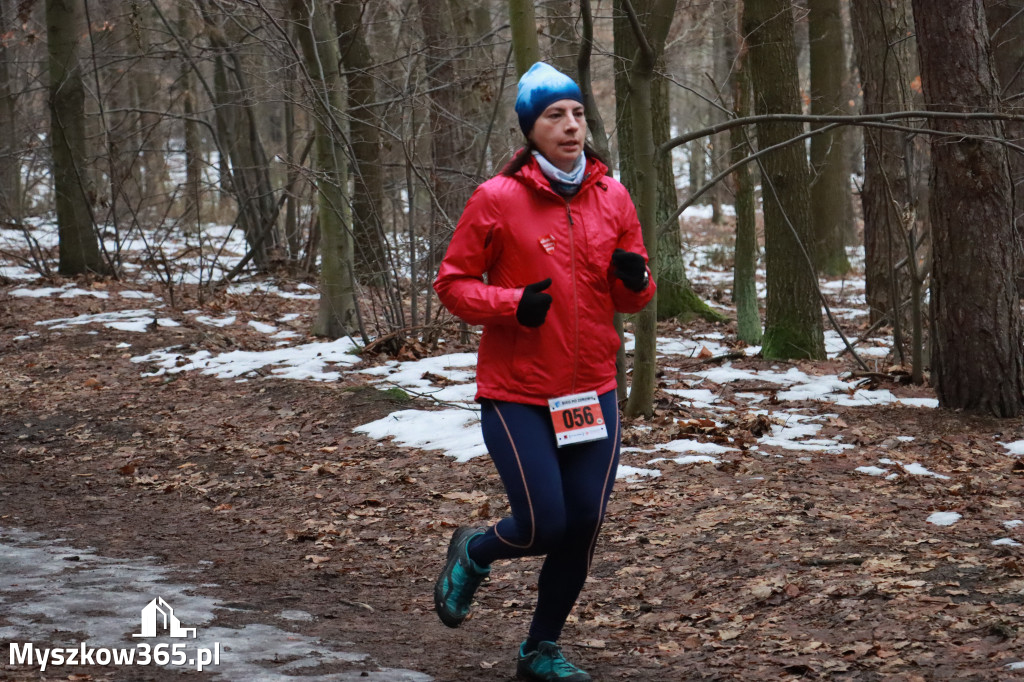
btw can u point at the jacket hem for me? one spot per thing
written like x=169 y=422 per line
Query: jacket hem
x=533 y=399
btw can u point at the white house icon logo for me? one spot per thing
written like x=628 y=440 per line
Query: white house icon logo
x=158 y=611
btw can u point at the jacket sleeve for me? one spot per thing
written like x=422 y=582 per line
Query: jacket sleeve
x=631 y=238
x=473 y=249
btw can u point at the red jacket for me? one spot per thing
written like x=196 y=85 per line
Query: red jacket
x=517 y=230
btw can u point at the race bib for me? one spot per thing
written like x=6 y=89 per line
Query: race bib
x=577 y=418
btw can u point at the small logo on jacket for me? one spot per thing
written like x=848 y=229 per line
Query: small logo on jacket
x=548 y=243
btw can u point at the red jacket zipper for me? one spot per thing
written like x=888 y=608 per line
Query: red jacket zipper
x=575 y=299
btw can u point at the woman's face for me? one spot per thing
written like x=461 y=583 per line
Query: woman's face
x=559 y=133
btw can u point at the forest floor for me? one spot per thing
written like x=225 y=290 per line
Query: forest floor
x=751 y=567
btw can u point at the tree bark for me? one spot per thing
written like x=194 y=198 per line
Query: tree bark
x=249 y=174
x=79 y=245
x=10 y=162
x=650 y=30
x=793 y=309
x=472 y=22
x=152 y=133
x=1006 y=27
x=368 y=194
x=977 y=360
x=192 y=214
x=830 y=185
x=450 y=141
x=336 y=315
x=723 y=30
x=887 y=64
x=744 y=281
x=564 y=44
x=675 y=297
x=523 y=21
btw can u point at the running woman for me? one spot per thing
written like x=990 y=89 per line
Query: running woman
x=542 y=256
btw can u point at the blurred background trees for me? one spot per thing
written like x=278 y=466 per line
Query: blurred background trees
x=341 y=138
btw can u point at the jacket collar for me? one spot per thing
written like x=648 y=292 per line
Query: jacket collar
x=532 y=175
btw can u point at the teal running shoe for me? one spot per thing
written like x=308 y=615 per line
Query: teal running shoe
x=547 y=664
x=454 y=589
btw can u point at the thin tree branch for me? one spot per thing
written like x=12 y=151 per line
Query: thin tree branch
x=863 y=119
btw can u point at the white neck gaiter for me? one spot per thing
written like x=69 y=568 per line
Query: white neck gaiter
x=562 y=182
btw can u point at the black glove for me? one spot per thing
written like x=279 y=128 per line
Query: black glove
x=630 y=268
x=533 y=306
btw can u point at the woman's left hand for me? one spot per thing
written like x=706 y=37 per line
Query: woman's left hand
x=630 y=268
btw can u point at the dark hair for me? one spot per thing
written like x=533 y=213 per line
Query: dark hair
x=522 y=157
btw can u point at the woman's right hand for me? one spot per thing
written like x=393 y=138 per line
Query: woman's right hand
x=533 y=306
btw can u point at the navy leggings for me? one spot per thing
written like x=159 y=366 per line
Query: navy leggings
x=558 y=498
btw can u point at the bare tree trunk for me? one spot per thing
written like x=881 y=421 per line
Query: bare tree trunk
x=1006 y=27
x=153 y=136
x=291 y=213
x=249 y=167
x=368 y=193
x=723 y=27
x=675 y=297
x=448 y=135
x=10 y=163
x=336 y=316
x=830 y=185
x=744 y=282
x=793 y=311
x=978 y=360
x=524 y=34
x=886 y=62
x=561 y=26
x=471 y=21
x=650 y=25
x=698 y=167
x=192 y=215
x=79 y=245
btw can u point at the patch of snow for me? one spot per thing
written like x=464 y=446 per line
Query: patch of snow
x=688 y=459
x=215 y=321
x=688 y=347
x=125 y=320
x=262 y=327
x=1015 y=448
x=456 y=368
x=17 y=272
x=75 y=292
x=40 y=292
x=914 y=469
x=307 y=361
x=944 y=518
x=872 y=471
x=626 y=471
x=696 y=397
x=138 y=294
x=100 y=598
x=456 y=431
x=687 y=445
x=1006 y=542
x=814 y=445
x=295 y=614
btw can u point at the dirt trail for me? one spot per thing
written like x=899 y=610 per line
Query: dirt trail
x=757 y=568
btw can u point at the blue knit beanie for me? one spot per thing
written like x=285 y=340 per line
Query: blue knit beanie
x=539 y=88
